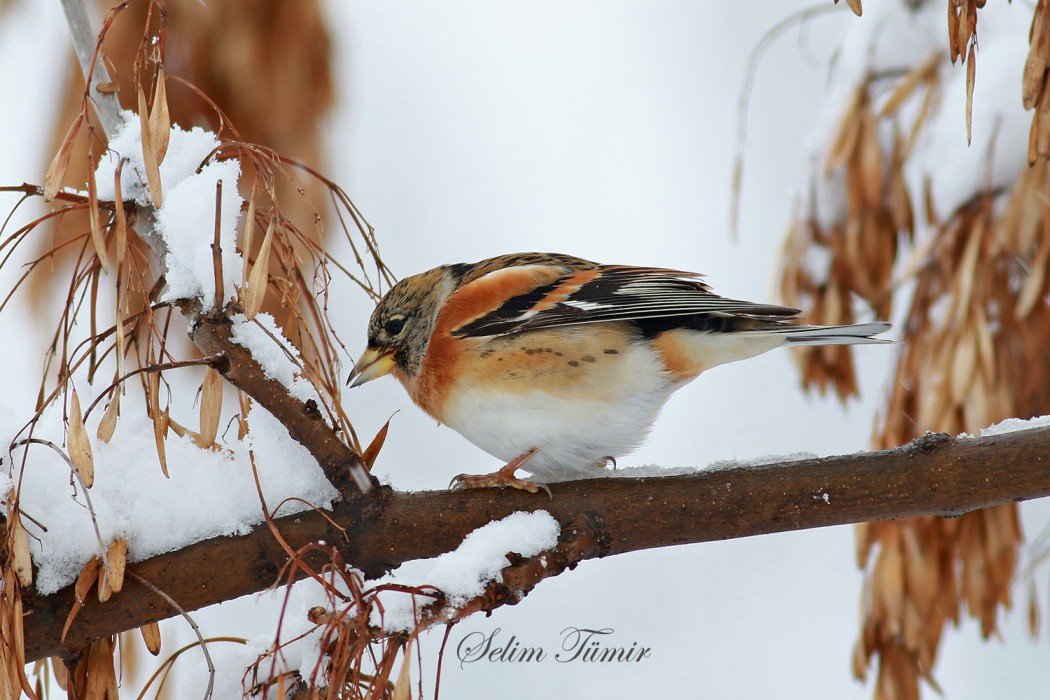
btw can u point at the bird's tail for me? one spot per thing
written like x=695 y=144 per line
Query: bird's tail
x=855 y=334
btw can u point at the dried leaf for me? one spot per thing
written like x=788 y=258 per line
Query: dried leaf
x=211 y=407
x=986 y=345
x=1041 y=123
x=101 y=674
x=1038 y=60
x=9 y=684
x=97 y=240
x=159 y=119
x=116 y=562
x=104 y=590
x=258 y=279
x=888 y=581
x=58 y=668
x=870 y=163
x=151 y=637
x=119 y=335
x=1032 y=287
x=159 y=430
x=372 y=451
x=971 y=72
x=1033 y=611
x=57 y=170
x=160 y=422
x=20 y=557
x=860 y=662
x=245 y=404
x=967 y=24
x=954 y=47
x=78 y=445
x=967 y=267
x=925 y=108
x=86 y=579
x=855 y=6
x=845 y=139
x=149 y=154
x=899 y=204
x=403 y=687
x=108 y=424
x=180 y=430
x=246 y=239
x=1033 y=133
x=17 y=638
x=120 y=224
x=906 y=86
x=920 y=567
x=964 y=366
x=862 y=533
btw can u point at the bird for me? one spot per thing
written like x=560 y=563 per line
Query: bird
x=558 y=365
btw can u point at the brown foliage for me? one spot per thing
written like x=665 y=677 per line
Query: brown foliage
x=974 y=345
x=237 y=54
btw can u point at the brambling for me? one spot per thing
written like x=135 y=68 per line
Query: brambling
x=558 y=364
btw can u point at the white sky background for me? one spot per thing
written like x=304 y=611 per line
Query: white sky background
x=602 y=129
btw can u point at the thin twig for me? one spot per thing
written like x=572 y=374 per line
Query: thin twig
x=196 y=630
x=170 y=661
x=83 y=489
x=216 y=250
x=743 y=104
x=209 y=361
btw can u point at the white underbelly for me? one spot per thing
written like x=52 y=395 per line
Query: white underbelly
x=574 y=428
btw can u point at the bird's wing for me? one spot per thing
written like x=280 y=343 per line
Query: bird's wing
x=536 y=295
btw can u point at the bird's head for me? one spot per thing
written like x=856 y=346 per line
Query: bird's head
x=400 y=328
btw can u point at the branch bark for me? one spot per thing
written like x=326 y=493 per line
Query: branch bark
x=935 y=475
x=342 y=465
x=84 y=42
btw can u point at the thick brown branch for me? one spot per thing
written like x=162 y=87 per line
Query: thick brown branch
x=213 y=335
x=934 y=475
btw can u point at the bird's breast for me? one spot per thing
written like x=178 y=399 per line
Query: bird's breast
x=578 y=393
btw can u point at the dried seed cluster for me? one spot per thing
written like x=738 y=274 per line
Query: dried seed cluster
x=826 y=264
x=1036 y=83
x=96 y=245
x=973 y=346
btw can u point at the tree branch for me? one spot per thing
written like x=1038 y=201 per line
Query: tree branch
x=84 y=42
x=934 y=475
x=344 y=468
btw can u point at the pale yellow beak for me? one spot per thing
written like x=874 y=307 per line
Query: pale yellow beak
x=372 y=364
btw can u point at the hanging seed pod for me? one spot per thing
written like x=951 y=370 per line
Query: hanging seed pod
x=78 y=445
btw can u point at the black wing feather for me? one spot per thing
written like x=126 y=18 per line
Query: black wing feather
x=624 y=294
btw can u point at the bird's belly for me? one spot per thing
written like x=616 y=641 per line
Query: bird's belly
x=577 y=405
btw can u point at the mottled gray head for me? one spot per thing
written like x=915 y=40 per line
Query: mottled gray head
x=400 y=327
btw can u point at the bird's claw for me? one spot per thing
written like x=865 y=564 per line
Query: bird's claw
x=502 y=478
x=497 y=480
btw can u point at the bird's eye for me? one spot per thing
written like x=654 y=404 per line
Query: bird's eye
x=395 y=325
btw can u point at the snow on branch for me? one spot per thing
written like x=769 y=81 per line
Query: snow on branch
x=376 y=532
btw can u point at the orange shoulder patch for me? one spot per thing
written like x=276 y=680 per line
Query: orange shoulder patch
x=490 y=291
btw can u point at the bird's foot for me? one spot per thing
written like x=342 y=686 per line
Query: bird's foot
x=502 y=478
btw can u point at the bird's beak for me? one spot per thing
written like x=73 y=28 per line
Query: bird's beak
x=372 y=364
